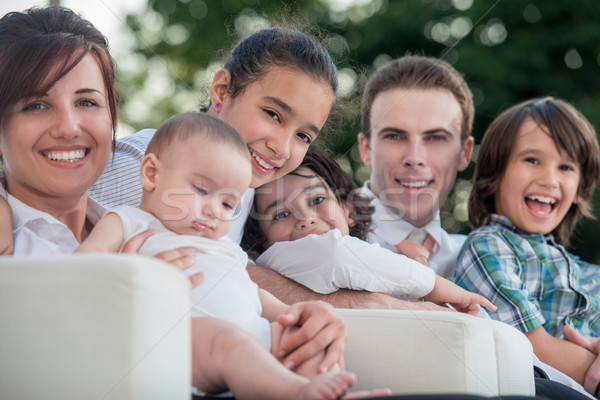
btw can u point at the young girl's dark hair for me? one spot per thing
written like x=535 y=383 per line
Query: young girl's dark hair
x=571 y=133
x=252 y=57
x=41 y=45
x=342 y=186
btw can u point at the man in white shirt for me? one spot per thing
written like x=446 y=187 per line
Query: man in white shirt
x=417 y=116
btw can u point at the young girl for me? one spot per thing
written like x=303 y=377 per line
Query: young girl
x=310 y=226
x=276 y=90
x=537 y=167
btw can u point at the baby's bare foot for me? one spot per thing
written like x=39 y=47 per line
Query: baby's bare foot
x=328 y=386
x=363 y=394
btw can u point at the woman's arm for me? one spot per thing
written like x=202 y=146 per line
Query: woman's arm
x=106 y=237
x=6 y=235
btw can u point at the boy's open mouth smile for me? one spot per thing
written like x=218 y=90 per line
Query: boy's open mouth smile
x=540 y=205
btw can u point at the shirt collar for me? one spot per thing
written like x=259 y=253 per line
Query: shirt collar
x=504 y=222
x=395 y=229
x=23 y=214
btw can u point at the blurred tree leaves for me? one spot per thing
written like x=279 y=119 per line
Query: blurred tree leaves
x=508 y=50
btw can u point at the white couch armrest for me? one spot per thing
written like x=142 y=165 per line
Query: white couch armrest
x=93 y=326
x=436 y=352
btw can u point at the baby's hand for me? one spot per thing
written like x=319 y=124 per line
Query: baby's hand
x=181 y=257
x=462 y=300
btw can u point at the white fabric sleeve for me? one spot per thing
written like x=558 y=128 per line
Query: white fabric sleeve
x=330 y=262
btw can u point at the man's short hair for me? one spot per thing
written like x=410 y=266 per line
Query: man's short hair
x=419 y=72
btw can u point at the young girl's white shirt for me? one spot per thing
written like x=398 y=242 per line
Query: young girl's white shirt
x=226 y=291
x=39 y=233
x=329 y=262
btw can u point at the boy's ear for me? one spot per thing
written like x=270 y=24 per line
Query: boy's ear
x=149 y=171
x=365 y=149
x=219 y=88
x=465 y=153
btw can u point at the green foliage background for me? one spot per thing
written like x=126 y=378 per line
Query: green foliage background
x=508 y=50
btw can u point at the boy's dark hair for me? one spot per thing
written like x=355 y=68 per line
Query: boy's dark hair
x=342 y=186
x=182 y=126
x=571 y=133
x=418 y=72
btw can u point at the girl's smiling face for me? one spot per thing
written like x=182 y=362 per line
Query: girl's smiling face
x=278 y=117
x=540 y=182
x=298 y=205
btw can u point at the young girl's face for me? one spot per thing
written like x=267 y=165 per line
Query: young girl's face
x=540 y=183
x=278 y=117
x=295 y=206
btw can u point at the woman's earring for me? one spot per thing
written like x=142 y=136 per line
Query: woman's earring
x=217 y=106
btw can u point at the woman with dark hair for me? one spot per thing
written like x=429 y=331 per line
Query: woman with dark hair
x=58 y=112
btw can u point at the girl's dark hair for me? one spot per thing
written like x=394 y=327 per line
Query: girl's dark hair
x=40 y=45
x=252 y=57
x=342 y=186
x=571 y=133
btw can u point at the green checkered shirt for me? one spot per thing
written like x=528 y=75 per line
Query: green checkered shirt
x=530 y=278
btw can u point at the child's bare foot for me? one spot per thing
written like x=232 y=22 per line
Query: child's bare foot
x=363 y=394
x=328 y=386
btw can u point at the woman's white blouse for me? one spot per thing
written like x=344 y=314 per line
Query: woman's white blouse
x=38 y=233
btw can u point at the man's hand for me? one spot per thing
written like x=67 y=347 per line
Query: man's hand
x=592 y=377
x=320 y=328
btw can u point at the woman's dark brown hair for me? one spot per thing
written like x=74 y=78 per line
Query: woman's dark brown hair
x=338 y=181
x=40 y=45
x=570 y=131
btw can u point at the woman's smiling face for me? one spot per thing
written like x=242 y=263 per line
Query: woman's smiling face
x=57 y=144
x=278 y=117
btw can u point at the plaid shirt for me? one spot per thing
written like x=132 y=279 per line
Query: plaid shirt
x=531 y=279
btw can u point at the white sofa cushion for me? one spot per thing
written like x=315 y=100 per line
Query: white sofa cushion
x=436 y=352
x=93 y=326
